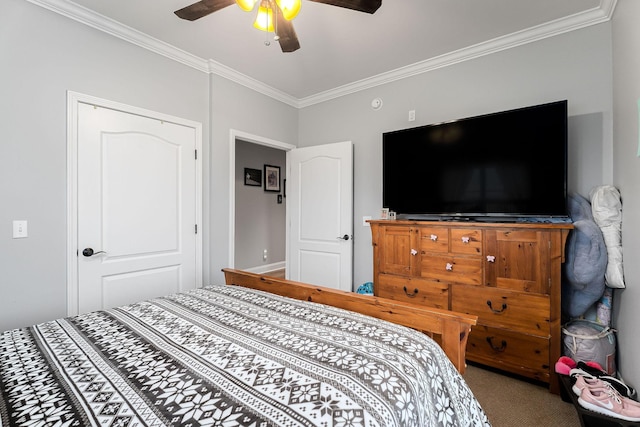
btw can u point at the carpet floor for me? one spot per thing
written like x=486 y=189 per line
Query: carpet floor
x=510 y=401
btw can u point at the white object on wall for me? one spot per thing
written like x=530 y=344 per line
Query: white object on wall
x=20 y=229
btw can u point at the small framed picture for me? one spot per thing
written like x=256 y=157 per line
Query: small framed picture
x=253 y=177
x=392 y=215
x=272 y=178
x=384 y=213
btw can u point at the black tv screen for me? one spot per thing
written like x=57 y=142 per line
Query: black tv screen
x=508 y=165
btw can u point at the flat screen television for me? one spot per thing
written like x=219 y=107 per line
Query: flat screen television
x=509 y=165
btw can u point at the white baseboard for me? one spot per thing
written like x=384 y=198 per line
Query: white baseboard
x=266 y=268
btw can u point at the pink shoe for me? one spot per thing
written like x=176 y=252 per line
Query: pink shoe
x=604 y=399
x=583 y=381
x=584 y=370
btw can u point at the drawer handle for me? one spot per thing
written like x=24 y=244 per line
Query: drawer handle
x=413 y=295
x=414 y=252
x=465 y=239
x=434 y=237
x=491 y=258
x=504 y=307
x=501 y=348
x=449 y=266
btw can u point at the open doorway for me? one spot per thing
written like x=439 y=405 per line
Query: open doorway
x=257 y=231
x=319 y=210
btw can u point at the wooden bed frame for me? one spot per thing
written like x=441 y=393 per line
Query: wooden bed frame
x=450 y=329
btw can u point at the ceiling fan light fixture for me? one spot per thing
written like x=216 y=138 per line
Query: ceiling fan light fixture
x=264 y=18
x=289 y=8
x=274 y=15
x=246 y=5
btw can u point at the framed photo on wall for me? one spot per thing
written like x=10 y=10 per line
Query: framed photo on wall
x=272 y=178
x=253 y=177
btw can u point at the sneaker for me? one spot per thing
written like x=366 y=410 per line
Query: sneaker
x=590 y=368
x=607 y=401
x=584 y=370
x=583 y=381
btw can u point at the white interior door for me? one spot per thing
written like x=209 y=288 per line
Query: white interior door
x=137 y=208
x=320 y=205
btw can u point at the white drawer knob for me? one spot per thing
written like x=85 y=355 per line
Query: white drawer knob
x=465 y=239
x=414 y=252
x=434 y=237
x=449 y=266
x=491 y=258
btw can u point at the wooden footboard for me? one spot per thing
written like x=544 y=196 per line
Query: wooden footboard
x=450 y=329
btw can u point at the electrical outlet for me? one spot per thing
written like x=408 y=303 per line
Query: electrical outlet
x=412 y=115
x=264 y=255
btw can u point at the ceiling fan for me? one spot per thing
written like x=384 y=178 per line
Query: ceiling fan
x=284 y=11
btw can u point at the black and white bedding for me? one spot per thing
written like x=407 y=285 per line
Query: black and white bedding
x=228 y=356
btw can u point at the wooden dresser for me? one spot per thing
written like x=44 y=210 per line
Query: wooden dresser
x=508 y=274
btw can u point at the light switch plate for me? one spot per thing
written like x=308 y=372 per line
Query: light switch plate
x=19 y=229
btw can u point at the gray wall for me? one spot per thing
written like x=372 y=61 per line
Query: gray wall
x=574 y=66
x=626 y=95
x=259 y=220
x=235 y=107
x=43 y=56
x=585 y=152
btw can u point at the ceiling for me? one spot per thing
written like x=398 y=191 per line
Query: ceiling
x=341 y=50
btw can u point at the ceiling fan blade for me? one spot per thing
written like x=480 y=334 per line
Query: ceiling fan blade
x=367 y=6
x=202 y=8
x=284 y=30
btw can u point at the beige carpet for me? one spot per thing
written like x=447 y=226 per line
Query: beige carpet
x=510 y=402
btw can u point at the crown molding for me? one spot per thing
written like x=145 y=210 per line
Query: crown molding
x=577 y=21
x=594 y=16
x=100 y=22
x=256 y=85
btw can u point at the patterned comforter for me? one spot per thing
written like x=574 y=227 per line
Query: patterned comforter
x=228 y=356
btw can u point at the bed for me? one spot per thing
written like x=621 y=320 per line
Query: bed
x=265 y=352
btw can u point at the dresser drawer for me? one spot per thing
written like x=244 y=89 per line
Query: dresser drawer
x=518 y=311
x=466 y=241
x=434 y=239
x=451 y=269
x=520 y=353
x=416 y=291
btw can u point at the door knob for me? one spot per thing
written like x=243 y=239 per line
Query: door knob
x=345 y=237
x=89 y=252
